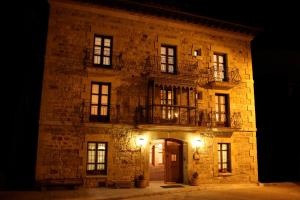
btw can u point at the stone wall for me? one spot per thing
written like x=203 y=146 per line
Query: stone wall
x=64 y=117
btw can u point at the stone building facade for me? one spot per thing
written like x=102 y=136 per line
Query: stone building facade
x=129 y=92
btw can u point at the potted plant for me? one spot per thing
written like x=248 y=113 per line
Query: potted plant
x=140 y=181
x=194 y=179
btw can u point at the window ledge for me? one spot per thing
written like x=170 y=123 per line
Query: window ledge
x=96 y=176
x=225 y=174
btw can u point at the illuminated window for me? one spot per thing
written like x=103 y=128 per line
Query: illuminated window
x=221 y=109
x=167 y=98
x=168 y=59
x=96 y=158
x=100 y=102
x=224 y=157
x=160 y=154
x=102 y=51
x=219 y=67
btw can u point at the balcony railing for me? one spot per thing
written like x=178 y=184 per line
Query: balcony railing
x=213 y=78
x=186 y=67
x=167 y=114
x=211 y=119
x=164 y=115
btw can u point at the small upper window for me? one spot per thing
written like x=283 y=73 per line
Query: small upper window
x=219 y=71
x=102 y=51
x=168 y=59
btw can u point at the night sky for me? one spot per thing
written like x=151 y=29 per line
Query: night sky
x=276 y=66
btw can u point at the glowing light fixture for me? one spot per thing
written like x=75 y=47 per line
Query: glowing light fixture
x=197 y=143
x=141 y=142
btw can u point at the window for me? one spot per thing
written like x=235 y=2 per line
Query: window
x=102 y=51
x=100 y=102
x=160 y=153
x=167 y=98
x=96 y=158
x=168 y=59
x=221 y=109
x=219 y=71
x=224 y=157
x=156 y=155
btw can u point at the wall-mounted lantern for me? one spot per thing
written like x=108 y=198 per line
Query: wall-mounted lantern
x=196 y=143
x=141 y=141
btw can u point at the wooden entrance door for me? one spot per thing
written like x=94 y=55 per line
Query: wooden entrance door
x=173 y=161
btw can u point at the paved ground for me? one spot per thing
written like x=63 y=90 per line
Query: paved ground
x=282 y=191
x=267 y=192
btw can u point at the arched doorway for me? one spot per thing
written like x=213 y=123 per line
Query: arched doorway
x=166 y=160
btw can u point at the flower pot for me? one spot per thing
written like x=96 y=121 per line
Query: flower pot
x=141 y=183
x=194 y=181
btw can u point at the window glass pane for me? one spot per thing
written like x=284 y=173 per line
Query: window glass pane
x=222 y=99
x=224 y=165
x=216 y=74
x=163 y=68
x=217 y=99
x=107 y=42
x=170 y=51
x=224 y=155
x=104 y=89
x=98 y=41
x=106 y=60
x=163 y=59
x=215 y=66
x=160 y=157
x=223 y=118
x=163 y=112
x=169 y=94
x=107 y=51
x=217 y=117
x=224 y=146
x=219 y=166
x=94 y=110
x=219 y=156
x=104 y=100
x=221 y=67
x=90 y=167
x=97 y=60
x=171 y=68
x=97 y=50
x=171 y=60
x=95 y=99
x=221 y=76
x=221 y=60
x=101 y=146
x=217 y=108
x=91 y=156
x=215 y=58
x=223 y=108
x=219 y=146
x=92 y=145
x=163 y=50
x=101 y=157
x=103 y=110
x=100 y=166
x=95 y=88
